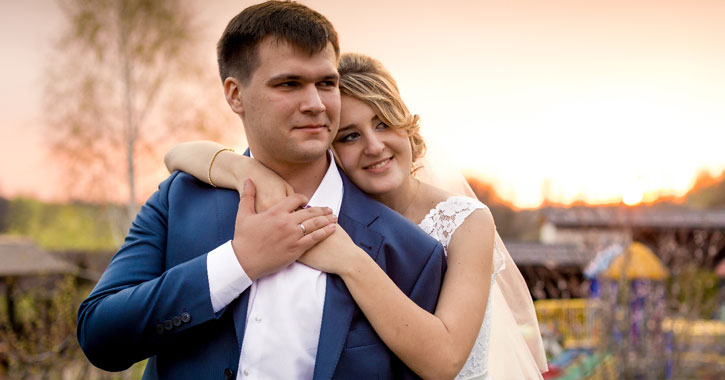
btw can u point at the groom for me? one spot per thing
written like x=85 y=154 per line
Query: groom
x=202 y=306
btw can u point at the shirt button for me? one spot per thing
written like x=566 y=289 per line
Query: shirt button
x=246 y=372
x=258 y=319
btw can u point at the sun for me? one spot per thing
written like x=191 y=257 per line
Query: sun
x=633 y=197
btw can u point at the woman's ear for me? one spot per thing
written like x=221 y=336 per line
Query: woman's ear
x=233 y=94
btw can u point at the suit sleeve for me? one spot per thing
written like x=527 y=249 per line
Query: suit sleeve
x=428 y=285
x=139 y=305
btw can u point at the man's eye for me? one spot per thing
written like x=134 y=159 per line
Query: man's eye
x=328 y=83
x=287 y=84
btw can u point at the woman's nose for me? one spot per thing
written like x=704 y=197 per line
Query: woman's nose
x=373 y=145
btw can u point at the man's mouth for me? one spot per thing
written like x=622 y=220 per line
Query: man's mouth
x=313 y=127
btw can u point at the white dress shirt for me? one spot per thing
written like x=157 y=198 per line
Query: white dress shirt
x=284 y=315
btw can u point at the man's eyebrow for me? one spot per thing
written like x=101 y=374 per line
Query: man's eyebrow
x=294 y=77
x=284 y=77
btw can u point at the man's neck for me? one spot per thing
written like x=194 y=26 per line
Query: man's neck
x=305 y=178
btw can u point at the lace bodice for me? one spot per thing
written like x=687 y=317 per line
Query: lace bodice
x=440 y=223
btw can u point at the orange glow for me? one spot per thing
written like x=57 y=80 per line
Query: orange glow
x=598 y=101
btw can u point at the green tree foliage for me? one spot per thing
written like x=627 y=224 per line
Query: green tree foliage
x=512 y=224
x=4 y=208
x=57 y=227
x=41 y=332
x=708 y=191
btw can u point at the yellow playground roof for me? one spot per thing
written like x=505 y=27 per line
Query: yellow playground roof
x=641 y=263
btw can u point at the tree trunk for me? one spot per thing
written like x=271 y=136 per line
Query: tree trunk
x=130 y=120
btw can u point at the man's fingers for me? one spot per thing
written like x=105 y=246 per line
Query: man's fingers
x=291 y=203
x=314 y=237
x=318 y=222
x=246 y=203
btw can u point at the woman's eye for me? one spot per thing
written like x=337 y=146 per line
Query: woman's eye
x=381 y=126
x=348 y=137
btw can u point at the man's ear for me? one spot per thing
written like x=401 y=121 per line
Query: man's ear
x=233 y=94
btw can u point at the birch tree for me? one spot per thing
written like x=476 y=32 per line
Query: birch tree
x=124 y=83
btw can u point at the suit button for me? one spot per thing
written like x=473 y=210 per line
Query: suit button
x=185 y=317
x=228 y=374
x=176 y=321
x=159 y=329
x=168 y=325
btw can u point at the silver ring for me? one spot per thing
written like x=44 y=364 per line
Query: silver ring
x=304 y=230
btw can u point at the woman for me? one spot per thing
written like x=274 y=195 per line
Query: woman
x=376 y=145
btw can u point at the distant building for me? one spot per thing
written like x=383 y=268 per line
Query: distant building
x=571 y=237
x=21 y=258
x=676 y=234
x=551 y=270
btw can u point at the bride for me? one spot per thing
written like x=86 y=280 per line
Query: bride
x=378 y=145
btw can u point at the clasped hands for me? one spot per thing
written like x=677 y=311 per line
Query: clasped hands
x=270 y=240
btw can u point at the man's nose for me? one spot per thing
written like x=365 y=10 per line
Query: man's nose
x=311 y=101
x=373 y=145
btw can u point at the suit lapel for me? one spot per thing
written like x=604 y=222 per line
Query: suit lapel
x=339 y=304
x=355 y=218
x=239 y=313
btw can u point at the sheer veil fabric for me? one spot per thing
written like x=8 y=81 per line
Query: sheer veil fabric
x=516 y=350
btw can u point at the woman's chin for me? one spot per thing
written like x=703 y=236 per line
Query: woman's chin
x=379 y=186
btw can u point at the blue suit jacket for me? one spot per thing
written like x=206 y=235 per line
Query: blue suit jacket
x=153 y=300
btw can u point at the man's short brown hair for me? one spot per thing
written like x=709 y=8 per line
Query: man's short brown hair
x=284 y=21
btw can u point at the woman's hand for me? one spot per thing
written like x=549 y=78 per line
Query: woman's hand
x=271 y=188
x=336 y=254
x=228 y=170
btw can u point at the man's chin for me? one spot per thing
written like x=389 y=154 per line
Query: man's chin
x=310 y=152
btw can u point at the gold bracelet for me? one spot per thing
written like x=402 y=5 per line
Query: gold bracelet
x=212 y=163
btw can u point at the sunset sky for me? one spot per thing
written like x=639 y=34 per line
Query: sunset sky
x=590 y=100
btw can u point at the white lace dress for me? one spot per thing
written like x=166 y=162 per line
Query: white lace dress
x=440 y=223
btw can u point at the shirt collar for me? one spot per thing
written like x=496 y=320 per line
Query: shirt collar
x=329 y=192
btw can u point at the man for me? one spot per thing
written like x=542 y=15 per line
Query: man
x=201 y=306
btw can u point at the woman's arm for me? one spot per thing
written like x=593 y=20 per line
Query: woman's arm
x=435 y=346
x=228 y=171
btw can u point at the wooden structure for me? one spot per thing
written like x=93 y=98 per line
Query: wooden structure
x=20 y=257
x=571 y=237
x=678 y=235
x=552 y=271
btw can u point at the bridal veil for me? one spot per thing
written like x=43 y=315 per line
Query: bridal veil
x=516 y=350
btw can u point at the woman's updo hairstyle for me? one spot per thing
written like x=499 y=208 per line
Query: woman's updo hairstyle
x=366 y=79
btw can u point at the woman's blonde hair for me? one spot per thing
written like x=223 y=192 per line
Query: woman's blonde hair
x=366 y=79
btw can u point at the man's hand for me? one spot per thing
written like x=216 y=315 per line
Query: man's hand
x=268 y=241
